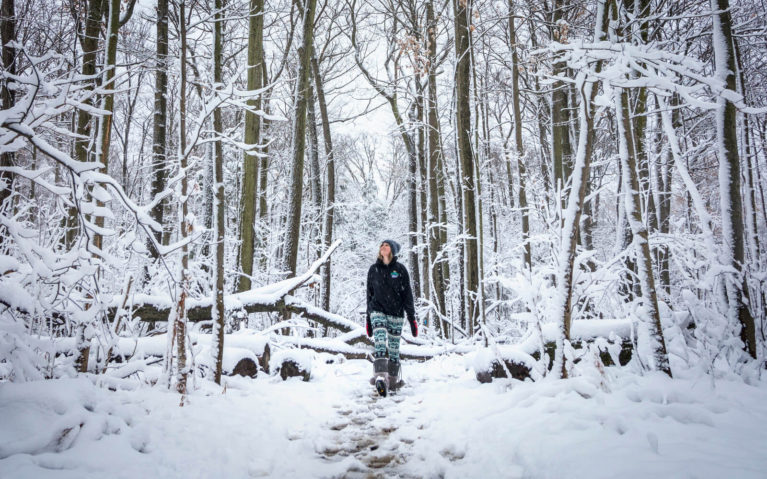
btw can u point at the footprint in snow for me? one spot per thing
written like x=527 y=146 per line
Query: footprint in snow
x=369 y=433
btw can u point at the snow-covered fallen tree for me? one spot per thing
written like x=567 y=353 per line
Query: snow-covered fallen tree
x=612 y=340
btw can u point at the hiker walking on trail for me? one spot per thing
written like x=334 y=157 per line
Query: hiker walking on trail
x=389 y=297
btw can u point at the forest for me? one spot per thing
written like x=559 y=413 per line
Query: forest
x=192 y=192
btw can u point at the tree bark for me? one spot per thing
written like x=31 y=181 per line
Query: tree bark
x=631 y=197
x=412 y=197
x=576 y=197
x=561 y=148
x=434 y=173
x=181 y=316
x=729 y=178
x=263 y=179
x=330 y=171
x=250 y=160
x=7 y=34
x=462 y=10
x=159 y=132
x=663 y=182
x=422 y=189
x=293 y=223
x=219 y=318
x=752 y=226
x=89 y=41
x=315 y=232
x=518 y=147
x=108 y=102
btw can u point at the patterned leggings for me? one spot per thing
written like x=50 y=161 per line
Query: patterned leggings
x=383 y=326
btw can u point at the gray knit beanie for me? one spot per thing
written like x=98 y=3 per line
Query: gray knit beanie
x=393 y=245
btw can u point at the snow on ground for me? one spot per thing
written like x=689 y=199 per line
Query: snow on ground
x=442 y=424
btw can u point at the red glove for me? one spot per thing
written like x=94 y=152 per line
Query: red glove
x=368 y=326
x=414 y=328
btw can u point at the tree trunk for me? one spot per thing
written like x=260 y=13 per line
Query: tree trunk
x=159 y=133
x=89 y=42
x=7 y=34
x=330 y=171
x=542 y=113
x=422 y=189
x=560 y=128
x=412 y=197
x=299 y=141
x=639 y=231
x=640 y=9
x=576 y=198
x=752 y=226
x=181 y=316
x=263 y=179
x=441 y=178
x=663 y=182
x=315 y=234
x=218 y=317
x=627 y=287
x=462 y=11
x=729 y=178
x=519 y=150
x=434 y=173
x=250 y=160
x=461 y=220
x=108 y=102
x=126 y=133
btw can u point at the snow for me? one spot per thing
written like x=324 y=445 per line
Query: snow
x=303 y=358
x=592 y=328
x=443 y=423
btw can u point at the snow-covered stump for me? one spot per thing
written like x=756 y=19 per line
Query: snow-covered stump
x=235 y=361
x=487 y=364
x=290 y=363
x=517 y=371
x=258 y=344
x=245 y=367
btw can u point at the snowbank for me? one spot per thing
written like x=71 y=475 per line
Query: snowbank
x=607 y=424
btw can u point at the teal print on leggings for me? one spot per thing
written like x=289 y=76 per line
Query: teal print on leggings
x=387 y=331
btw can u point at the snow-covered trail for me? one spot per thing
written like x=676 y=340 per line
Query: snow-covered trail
x=442 y=424
x=376 y=431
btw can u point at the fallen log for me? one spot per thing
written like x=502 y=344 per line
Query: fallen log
x=271 y=298
x=610 y=339
x=352 y=349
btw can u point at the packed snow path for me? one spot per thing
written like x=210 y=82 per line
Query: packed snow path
x=443 y=424
x=378 y=432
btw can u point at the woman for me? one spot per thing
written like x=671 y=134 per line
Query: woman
x=389 y=298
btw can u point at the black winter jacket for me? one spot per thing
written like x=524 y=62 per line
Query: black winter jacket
x=389 y=290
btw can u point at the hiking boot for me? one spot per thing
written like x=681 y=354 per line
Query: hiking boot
x=381 y=386
x=380 y=371
x=395 y=380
